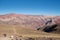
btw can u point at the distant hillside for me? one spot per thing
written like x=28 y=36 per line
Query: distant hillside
x=31 y=21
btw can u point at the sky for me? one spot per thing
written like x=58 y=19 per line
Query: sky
x=30 y=7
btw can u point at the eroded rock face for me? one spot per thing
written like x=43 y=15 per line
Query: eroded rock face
x=50 y=28
x=32 y=21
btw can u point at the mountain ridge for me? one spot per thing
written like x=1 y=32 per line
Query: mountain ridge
x=33 y=21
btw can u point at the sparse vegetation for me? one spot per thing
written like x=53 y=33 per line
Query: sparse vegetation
x=17 y=30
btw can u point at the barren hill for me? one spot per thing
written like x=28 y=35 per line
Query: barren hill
x=26 y=25
x=25 y=32
x=32 y=21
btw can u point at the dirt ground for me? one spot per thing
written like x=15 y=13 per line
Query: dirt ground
x=21 y=33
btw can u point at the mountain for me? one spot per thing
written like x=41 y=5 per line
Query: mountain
x=25 y=27
x=31 y=21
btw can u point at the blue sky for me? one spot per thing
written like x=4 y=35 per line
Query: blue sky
x=33 y=7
